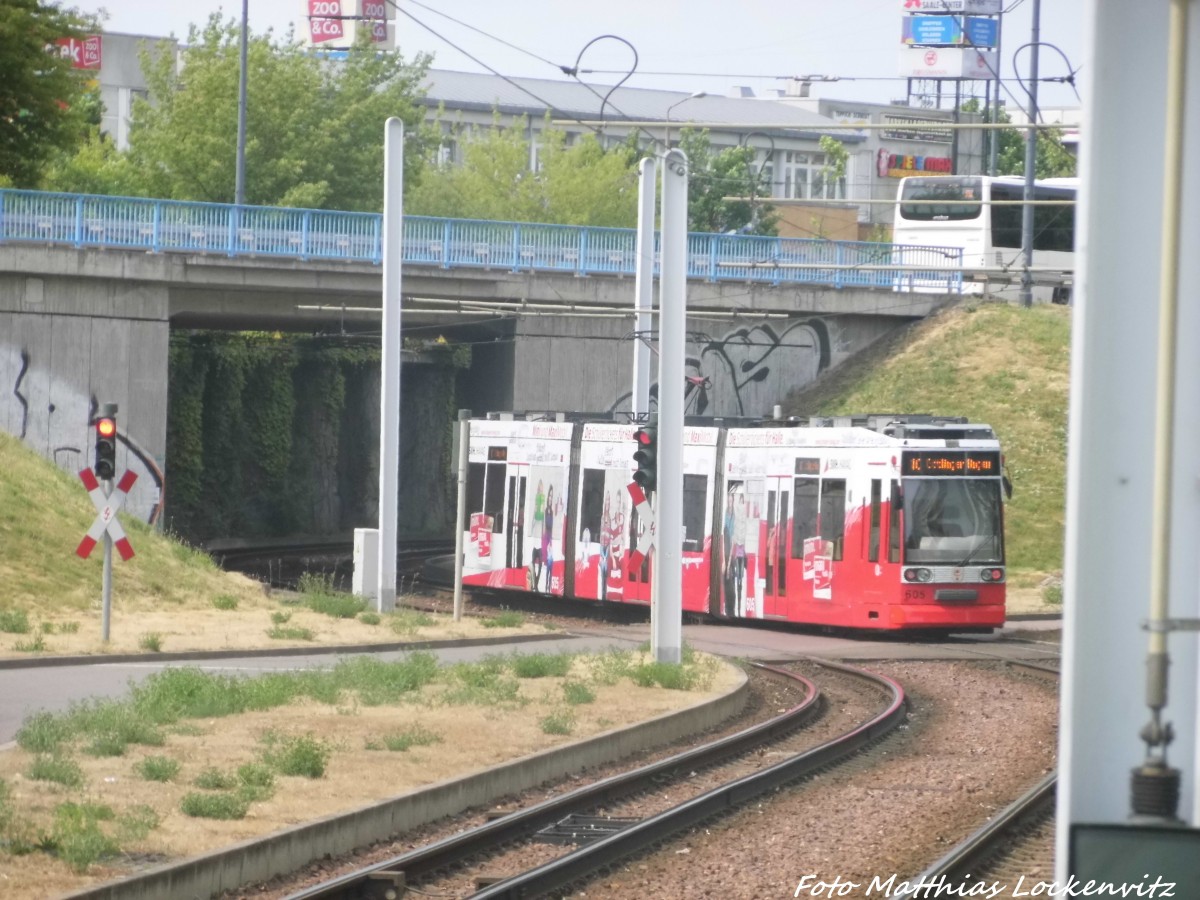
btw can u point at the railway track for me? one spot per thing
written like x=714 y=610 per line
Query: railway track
x=281 y=563
x=606 y=838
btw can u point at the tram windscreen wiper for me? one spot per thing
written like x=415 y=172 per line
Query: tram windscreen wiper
x=982 y=542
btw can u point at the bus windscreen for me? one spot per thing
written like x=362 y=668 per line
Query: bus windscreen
x=926 y=199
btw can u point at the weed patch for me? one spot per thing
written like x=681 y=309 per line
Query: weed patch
x=225 y=602
x=291 y=633
x=214 y=806
x=577 y=693
x=157 y=768
x=542 y=665
x=58 y=769
x=506 y=618
x=301 y=755
x=558 y=722
x=151 y=642
x=400 y=741
x=14 y=621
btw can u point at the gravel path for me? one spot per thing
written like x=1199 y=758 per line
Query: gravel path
x=978 y=737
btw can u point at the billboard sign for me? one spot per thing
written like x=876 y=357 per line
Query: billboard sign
x=950 y=31
x=84 y=53
x=335 y=24
x=940 y=30
x=981 y=32
x=974 y=7
x=949 y=62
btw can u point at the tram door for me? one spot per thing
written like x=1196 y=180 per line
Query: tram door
x=516 y=520
x=776 y=532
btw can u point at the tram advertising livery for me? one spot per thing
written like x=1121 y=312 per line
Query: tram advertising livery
x=869 y=522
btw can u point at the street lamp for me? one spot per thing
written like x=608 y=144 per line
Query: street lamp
x=696 y=96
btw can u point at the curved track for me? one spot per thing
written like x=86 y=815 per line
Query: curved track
x=387 y=879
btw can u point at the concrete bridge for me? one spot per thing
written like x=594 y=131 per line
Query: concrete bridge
x=90 y=288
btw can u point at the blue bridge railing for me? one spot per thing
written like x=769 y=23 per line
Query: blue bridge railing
x=162 y=226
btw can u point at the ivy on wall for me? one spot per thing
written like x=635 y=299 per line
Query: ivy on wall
x=268 y=435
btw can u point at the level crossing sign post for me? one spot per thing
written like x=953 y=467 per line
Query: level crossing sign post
x=108 y=503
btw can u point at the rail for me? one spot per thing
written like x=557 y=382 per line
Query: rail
x=311 y=235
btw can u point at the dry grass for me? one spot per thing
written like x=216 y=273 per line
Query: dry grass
x=470 y=738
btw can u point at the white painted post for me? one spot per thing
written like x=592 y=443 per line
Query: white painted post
x=460 y=517
x=389 y=388
x=643 y=285
x=366 y=563
x=667 y=603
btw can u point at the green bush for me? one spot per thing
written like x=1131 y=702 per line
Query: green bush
x=58 y=769
x=292 y=633
x=369 y=618
x=157 y=768
x=215 y=806
x=43 y=732
x=213 y=779
x=1052 y=595
x=151 y=641
x=279 y=617
x=542 y=665
x=302 y=755
x=577 y=693
x=400 y=741
x=36 y=645
x=409 y=621
x=76 y=837
x=507 y=618
x=558 y=722
x=14 y=621
x=68 y=627
x=225 y=602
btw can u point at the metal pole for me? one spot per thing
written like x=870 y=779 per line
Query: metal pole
x=643 y=285
x=239 y=190
x=389 y=389
x=667 y=604
x=106 y=604
x=1030 y=161
x=993 y=135
x=460 y=517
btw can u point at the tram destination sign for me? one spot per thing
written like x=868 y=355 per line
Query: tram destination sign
x=971 y=463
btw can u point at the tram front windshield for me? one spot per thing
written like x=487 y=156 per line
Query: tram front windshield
x=953 y=521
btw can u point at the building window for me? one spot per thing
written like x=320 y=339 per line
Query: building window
x=804 y=177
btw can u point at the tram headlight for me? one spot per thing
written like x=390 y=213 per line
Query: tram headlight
x=921 y=575
x=992 y=575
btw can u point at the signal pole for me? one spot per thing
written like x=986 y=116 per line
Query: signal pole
x=106 y=467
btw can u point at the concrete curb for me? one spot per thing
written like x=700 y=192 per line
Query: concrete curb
x=184 y=655
x=288 y=850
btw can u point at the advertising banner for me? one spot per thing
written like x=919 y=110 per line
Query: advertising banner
x=84 y=53
x=949 y=62
x=977 y=7
x=335 y=24
x=950 y=31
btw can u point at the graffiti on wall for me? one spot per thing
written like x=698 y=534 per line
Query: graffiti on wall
x=749 y=369
x=76 y=407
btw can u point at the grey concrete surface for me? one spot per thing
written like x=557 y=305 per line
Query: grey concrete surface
x=54 y=688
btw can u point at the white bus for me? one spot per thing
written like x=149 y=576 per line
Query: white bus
x=982 y=217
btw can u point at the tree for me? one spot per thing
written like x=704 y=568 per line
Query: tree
x=314 y=135
x=1053 y=159
x=45 y=104
x=725 y=191
x=577 y=185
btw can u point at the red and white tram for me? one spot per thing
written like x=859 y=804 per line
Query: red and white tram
x=869 y=522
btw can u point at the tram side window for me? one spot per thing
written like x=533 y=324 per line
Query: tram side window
x=833 y=513
x=894 y=525
x=804 y=513
x=485 y=491
x=493 y=503
x=591 y=511
x=695 y=502
x=873 y=537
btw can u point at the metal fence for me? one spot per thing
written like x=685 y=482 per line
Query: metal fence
x=159 y=226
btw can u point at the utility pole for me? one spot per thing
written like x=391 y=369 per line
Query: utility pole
x=239 y=189
x=1030 y=161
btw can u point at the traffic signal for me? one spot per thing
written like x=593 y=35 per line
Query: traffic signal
x=106 y=448
x=646 y=457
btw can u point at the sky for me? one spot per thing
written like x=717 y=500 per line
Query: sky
x=702 y=45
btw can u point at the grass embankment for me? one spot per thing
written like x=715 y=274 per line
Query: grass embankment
x=190 y=761
x=994 y=363
x=169 y=597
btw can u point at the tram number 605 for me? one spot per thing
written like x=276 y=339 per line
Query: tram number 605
x=914 y=595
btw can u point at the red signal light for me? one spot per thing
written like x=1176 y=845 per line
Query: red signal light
x=106 y=427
